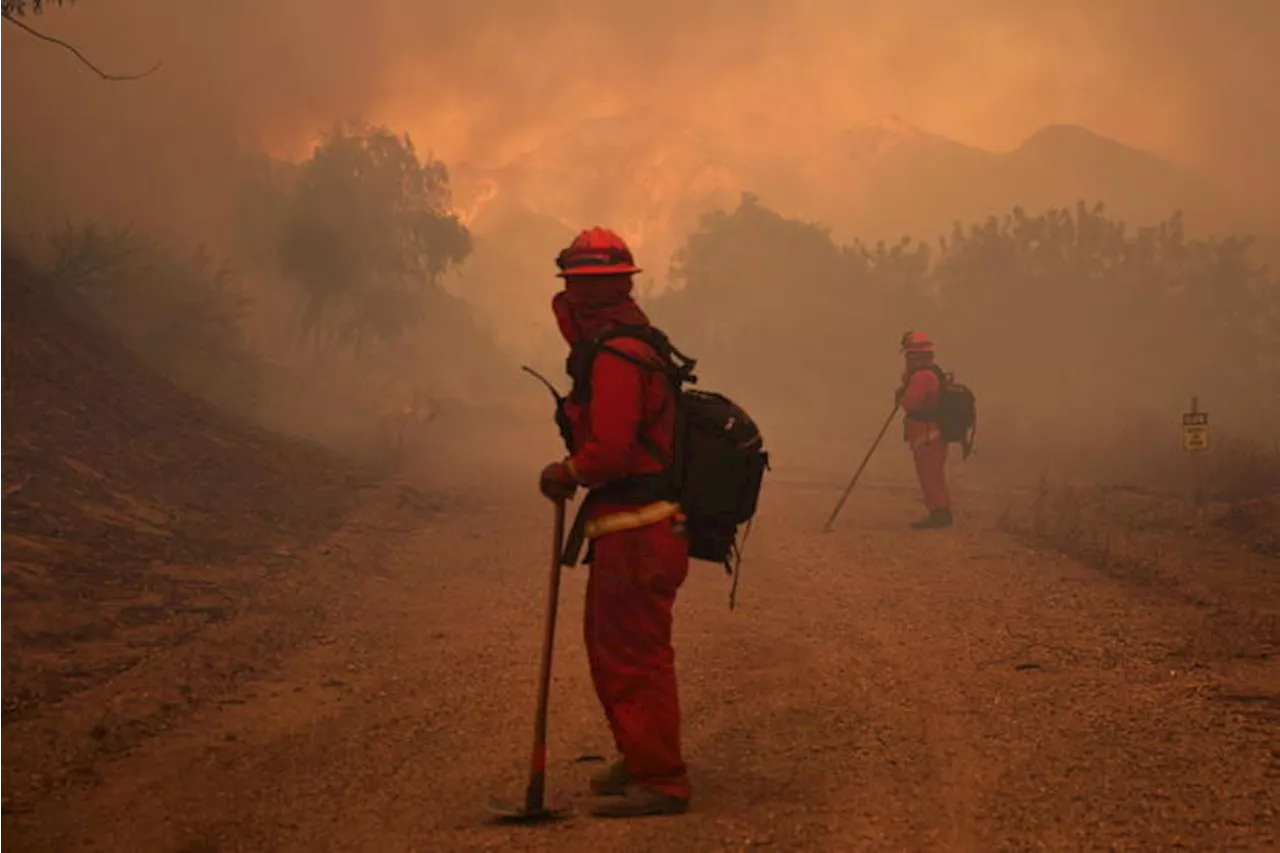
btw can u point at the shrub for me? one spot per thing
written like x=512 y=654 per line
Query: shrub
x=181 y=312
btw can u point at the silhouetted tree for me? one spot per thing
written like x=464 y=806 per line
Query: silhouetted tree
x=891 y=284
x=1072 y=303
x=365 y=228
x=762 y=295
x=1083 y=298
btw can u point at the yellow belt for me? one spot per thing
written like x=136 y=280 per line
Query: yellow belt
x=630 y=519
x=932 y=435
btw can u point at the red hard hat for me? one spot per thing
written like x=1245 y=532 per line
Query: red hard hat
x=596 y=251
x=916 y=342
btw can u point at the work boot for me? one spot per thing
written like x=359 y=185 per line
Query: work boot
x=936 y=518
x=641 y=802
x=612 y=782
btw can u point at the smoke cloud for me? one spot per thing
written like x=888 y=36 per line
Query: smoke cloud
x=482 y=81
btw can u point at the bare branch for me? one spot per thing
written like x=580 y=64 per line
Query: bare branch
x=104 y=75
x=19 y=7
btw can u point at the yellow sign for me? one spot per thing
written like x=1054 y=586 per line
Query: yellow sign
x=1195 y=431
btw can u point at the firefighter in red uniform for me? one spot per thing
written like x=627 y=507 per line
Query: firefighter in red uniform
x=638 y=554
x=918 y=396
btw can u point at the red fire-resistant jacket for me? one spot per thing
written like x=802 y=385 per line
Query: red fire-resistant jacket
x=920 y=397
x=921 y=394
x=626 y=402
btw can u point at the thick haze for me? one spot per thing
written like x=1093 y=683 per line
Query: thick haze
x=483 y=81
x=685 y=94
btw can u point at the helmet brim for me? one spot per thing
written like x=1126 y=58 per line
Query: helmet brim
x=603 y=269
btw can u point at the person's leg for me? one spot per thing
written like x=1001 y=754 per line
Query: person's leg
x=593 y=658
x=632 y=590
x=930 y=456
x=613 y=780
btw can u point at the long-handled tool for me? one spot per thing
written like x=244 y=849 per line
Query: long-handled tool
x=826 y=528
x=535 y=809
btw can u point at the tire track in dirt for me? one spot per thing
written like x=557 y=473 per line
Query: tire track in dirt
x=877 y=689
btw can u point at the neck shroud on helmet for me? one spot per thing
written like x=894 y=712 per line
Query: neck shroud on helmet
x=597 y=268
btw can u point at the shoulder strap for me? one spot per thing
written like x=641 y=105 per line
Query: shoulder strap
x=675 y=365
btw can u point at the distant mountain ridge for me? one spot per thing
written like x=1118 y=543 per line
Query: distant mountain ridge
x=651 y=179
x=1056 y=166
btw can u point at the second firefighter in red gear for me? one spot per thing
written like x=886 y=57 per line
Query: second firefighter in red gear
x=638 y=555
x=919 y=398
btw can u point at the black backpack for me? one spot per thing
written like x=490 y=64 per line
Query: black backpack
x=719 y=460
x=957 y=412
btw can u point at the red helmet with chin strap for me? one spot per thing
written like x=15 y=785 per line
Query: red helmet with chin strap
x=596 y=251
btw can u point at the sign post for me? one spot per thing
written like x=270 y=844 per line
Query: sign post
x=1195 y=441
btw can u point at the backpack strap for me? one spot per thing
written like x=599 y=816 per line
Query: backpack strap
x=675 y=365
x=642 y=439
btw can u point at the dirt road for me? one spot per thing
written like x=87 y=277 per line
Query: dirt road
x=874 y=690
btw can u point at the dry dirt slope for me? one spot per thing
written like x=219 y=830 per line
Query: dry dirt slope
x=133 y=514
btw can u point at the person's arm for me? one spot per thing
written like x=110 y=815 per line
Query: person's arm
x=921 y=389
x=616 y=408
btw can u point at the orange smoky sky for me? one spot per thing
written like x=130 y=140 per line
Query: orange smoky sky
x=1193 y=81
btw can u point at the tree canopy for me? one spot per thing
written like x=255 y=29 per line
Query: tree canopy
x=364 y=228
x=1067 y=310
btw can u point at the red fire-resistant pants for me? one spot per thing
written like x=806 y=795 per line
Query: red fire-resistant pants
x=631 y=590
x=930 y=454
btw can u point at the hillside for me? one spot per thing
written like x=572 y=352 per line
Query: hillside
x=896 y=180
x=876 y=180
x=1059 y=164
x=133 y=514
x=651 y=178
